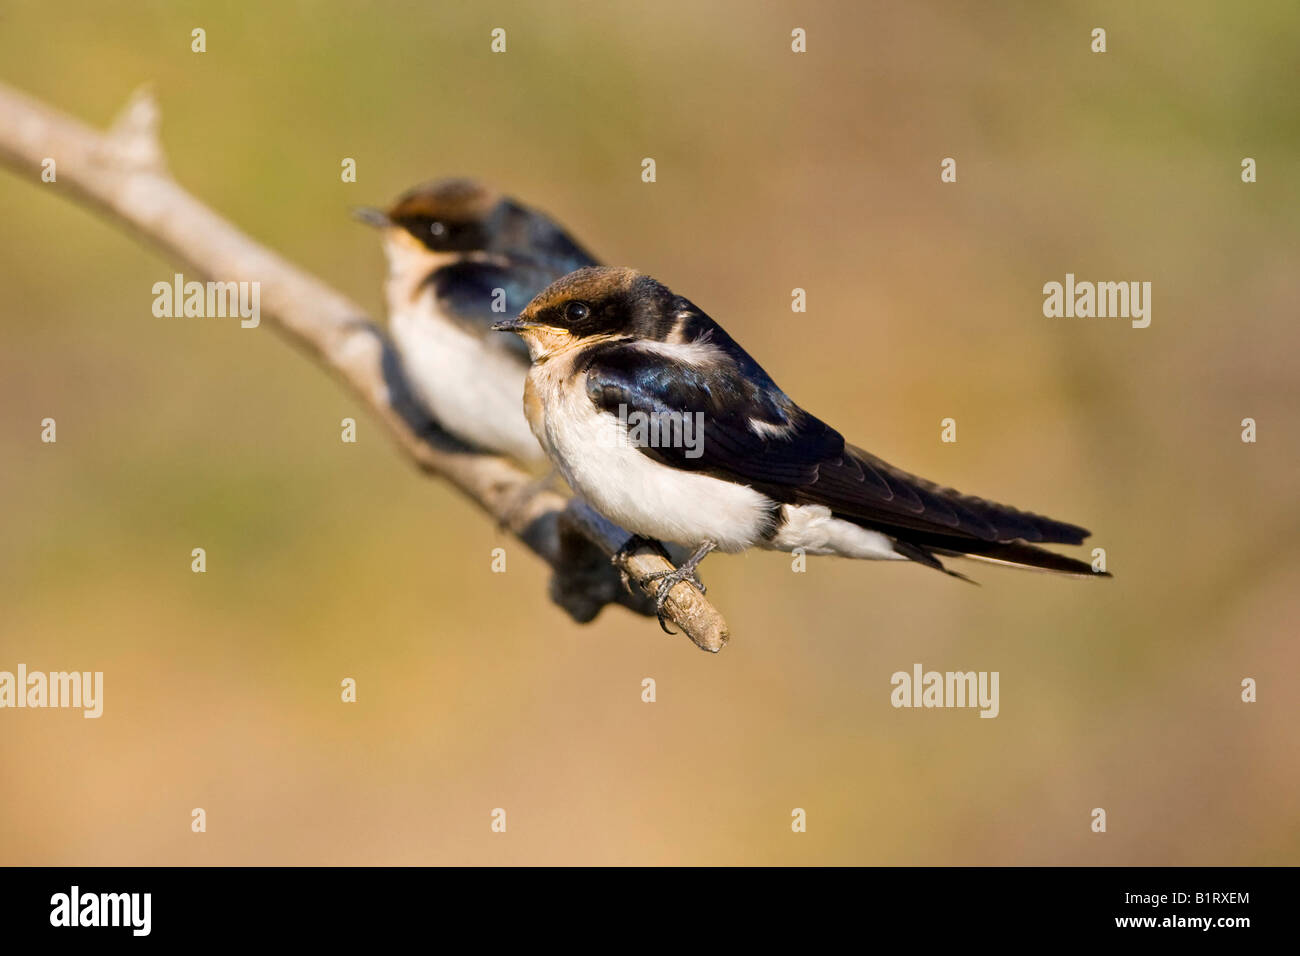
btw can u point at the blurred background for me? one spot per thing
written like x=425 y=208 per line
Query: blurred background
x=775 y=171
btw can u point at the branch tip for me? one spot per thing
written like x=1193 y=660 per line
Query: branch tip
x=133 y=139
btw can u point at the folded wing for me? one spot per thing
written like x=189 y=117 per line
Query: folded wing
x=753 y=433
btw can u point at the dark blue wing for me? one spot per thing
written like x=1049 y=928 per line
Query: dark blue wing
x=751 y=432
x=744 y=427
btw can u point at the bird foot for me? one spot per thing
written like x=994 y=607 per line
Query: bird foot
x=630 y=547
x=669 y=580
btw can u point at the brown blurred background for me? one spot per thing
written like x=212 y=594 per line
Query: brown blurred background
x=775 y=170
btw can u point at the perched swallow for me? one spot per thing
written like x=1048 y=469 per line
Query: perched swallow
x=613 y=350
x=459 y=256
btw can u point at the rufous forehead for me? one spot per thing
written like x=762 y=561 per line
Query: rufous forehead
x=593 y=284
x=455 y=199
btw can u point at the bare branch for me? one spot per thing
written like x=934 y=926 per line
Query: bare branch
x=123 y=173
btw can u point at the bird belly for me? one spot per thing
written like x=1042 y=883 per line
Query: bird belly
x=474 y=390
x=590 y=449
x=814 y=530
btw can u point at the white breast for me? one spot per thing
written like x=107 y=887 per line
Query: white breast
x=624 y=484
x=472 y=388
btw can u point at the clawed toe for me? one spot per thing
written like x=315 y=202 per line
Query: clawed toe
x=667 y=581
x=677 y=577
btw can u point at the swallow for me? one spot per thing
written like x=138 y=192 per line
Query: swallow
x=459 y=256
x=728 y=461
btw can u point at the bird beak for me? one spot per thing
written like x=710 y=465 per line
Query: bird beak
x=372 y=217
x=517 y=324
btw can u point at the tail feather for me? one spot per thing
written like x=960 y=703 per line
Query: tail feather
x=1011 y=553
x=922 y=556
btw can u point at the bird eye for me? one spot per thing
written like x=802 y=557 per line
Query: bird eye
x=576 y=311
x=436 y=228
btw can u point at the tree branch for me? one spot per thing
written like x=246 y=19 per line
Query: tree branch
x=123 y=174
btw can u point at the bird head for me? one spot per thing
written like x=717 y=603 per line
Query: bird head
x=451 y=219
x=593 y=305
